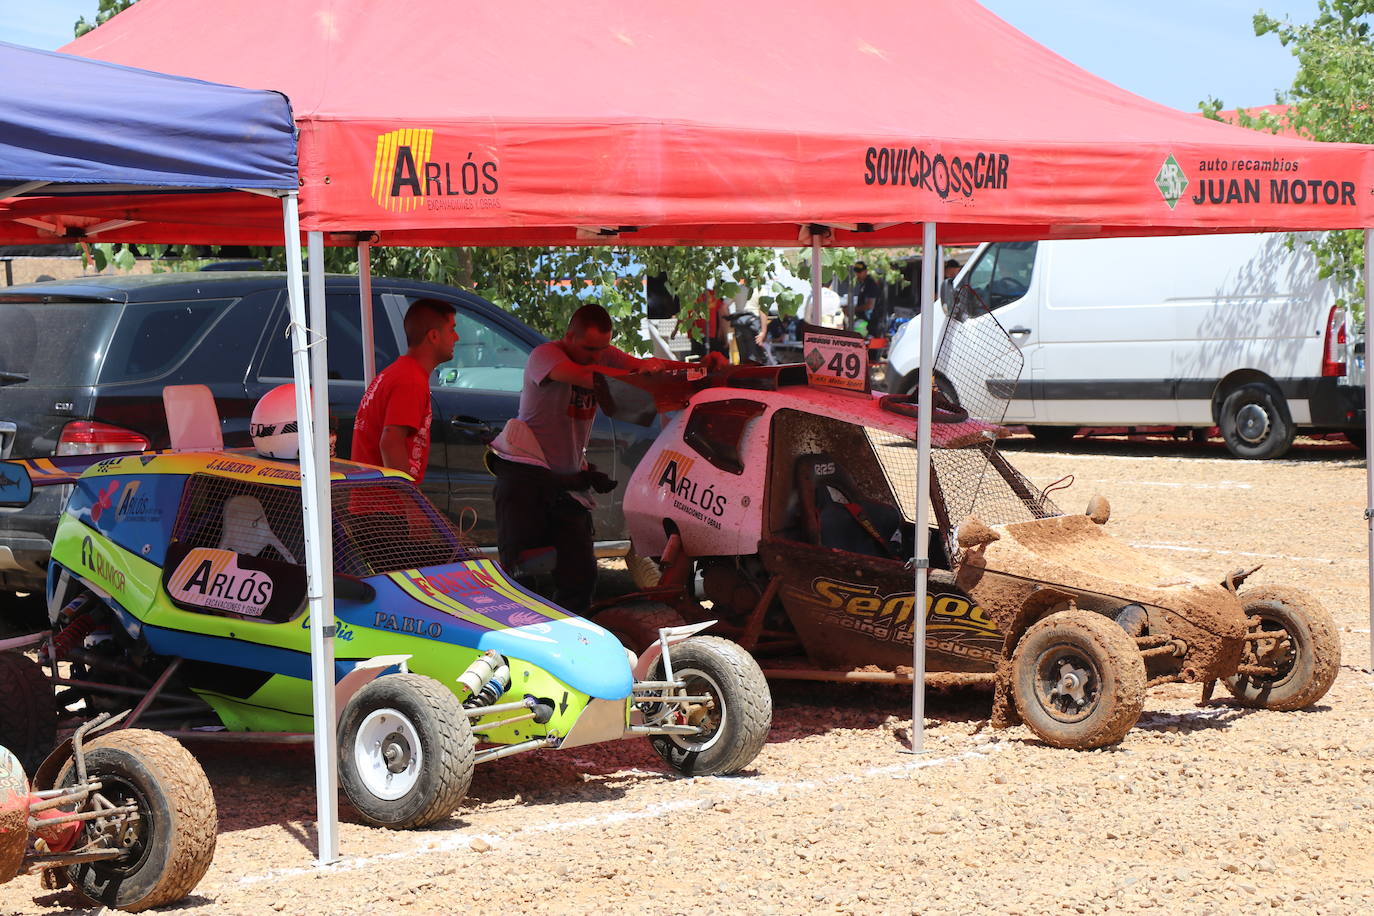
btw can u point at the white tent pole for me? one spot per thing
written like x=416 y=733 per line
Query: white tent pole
x=814 y=317
x=365 y=303
x=308 y=352
x=1369 y=431
x=922 y=562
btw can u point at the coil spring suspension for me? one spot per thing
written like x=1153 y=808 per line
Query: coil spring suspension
x=76 y=624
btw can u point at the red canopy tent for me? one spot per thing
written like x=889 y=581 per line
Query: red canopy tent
x=651 y=122
x=656 y=122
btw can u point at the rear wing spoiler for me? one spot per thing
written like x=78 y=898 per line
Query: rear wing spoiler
x=19 y=476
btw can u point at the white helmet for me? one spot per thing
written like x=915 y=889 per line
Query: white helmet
x=273 y=426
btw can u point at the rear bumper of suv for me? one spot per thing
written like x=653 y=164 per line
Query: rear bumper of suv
x=26 y=537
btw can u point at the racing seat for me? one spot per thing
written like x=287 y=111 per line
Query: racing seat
x=835 y=514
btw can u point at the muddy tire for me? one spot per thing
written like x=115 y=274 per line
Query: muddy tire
x=1305 y=647
x=645 y=571
x=735 y=721
x=1078 y=680
x=406 y=751
x=14 y=815
x=28 y=710
x=1255 y=422
x=636 y=623
x=173 y=841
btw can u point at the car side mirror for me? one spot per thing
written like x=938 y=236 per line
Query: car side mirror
x=947 y=295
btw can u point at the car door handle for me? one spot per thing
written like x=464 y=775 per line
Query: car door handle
x=471 y=424
x=1019 y=331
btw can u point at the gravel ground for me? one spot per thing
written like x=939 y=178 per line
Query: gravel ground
x=1200 y=810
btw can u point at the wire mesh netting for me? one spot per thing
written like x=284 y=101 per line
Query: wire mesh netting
x=976 y=480
x=977 y=365
x=379 y=526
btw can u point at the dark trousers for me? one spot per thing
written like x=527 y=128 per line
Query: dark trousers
x=533 y=511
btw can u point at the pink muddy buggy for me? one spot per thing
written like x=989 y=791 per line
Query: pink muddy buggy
x=788 y=508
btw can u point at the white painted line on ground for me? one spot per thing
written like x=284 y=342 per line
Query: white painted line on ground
x=736 y=788
x=1221 y=485
x=1181 y=548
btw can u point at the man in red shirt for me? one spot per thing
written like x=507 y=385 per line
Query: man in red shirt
x=392 y=428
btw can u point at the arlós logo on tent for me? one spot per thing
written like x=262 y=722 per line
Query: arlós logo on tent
x=409 y=174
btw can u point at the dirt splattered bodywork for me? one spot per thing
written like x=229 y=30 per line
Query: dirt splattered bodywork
x=792 y=508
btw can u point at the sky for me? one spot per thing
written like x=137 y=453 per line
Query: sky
x=1177 y=52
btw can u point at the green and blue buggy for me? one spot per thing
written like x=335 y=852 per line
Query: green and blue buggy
x=177 y=590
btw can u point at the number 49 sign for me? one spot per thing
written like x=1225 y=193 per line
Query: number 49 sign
x=836 y=360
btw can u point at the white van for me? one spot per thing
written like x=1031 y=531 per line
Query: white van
x=1234 y=331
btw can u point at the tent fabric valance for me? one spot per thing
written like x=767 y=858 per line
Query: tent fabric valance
x=657 y=122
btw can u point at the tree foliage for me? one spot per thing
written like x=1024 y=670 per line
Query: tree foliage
x=1330 y=100
x=103 y=13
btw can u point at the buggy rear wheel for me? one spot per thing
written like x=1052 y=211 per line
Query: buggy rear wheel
x=168 y=847
x=1297 y=640
x=734 y=719
x=1078 y=680
x=406 y=751
x=28 y=710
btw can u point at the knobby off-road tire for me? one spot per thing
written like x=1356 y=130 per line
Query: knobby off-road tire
x=406 y=751
x=636 y=623
x=14 y=815
x=1255 y=422
x=1078 y=680
x=645 y=571
x=1306 y=649
x=736 y=720
x=174 y=839
x=28 y=710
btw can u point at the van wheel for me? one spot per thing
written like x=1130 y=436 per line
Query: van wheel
x=1053 y=435
x=1255 y=422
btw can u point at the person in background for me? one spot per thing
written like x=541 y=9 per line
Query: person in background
x=543 y=480
x=951 y=268
x=864 y=299
x=392 y=428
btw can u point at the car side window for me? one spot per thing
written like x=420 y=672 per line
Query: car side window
x=716 y=431
x=486 y=357
x=343 y=325
x=1003 y=273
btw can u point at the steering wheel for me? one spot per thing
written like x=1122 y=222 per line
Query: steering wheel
x=907 y=405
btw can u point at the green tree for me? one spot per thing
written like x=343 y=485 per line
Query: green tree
x=106 y=10
x=1329 y=100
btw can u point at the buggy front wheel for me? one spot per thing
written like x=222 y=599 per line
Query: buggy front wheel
x=1078 y=680
x=734 y=718
x=406 y=751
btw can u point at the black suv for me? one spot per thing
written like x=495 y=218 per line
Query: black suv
x=83 y=364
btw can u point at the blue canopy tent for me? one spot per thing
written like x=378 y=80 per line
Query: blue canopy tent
x=71 y=126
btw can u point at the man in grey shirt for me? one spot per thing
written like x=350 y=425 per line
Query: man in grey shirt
x=539 y=459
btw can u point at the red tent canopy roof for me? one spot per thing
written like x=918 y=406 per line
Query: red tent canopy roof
x=519 y=121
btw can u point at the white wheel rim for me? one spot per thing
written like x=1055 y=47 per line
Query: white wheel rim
x=387 y=754
x=722 y=712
